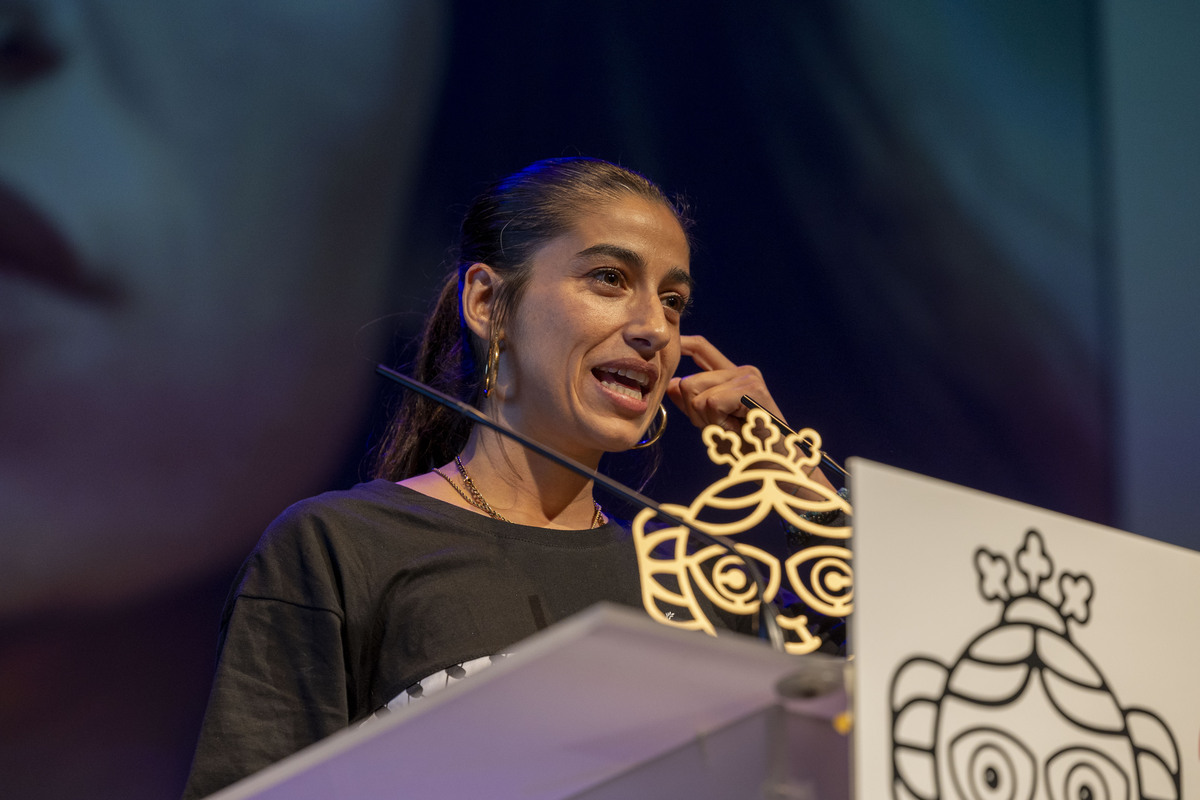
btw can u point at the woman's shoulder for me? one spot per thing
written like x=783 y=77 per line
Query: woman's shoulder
x=338 y=536
x=356 y=514
x=375 y=496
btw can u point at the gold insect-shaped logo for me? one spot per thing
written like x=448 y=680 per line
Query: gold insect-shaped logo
x=768 y=472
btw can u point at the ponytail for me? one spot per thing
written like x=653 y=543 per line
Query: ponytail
x=424 y=433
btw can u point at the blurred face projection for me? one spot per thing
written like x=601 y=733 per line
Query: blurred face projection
x=196 y=211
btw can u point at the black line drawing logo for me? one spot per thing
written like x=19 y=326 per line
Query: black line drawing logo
x=1023 y=711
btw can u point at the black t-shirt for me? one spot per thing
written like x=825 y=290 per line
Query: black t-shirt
x=352 y=597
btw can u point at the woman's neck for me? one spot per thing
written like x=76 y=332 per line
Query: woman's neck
x=525 y=487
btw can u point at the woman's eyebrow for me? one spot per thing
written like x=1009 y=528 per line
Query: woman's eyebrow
x=631 y=257
x=634 y=259
x=677 y=275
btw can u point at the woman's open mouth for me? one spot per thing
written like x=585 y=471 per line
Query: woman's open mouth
x=632 y=382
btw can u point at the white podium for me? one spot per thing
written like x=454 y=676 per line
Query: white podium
x=606 y=705
x=1003 y=650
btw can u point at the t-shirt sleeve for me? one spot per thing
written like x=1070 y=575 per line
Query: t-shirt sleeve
x=279 y=687
x=281 y=677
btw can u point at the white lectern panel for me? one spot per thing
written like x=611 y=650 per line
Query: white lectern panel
x=572 y=709
x=1002 y=650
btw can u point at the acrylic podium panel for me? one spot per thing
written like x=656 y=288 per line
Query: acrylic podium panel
x=602 y=706
x=1005 y=650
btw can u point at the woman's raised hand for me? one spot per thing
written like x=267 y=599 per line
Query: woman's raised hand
x=714 y=395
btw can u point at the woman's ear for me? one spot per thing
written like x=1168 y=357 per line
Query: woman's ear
x=481 y=285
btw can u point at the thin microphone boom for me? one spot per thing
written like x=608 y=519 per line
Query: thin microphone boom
x=768 y=609
x=750 y=402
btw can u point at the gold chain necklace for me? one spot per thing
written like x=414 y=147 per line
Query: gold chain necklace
x=476 y=498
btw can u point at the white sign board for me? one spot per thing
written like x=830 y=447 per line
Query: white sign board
x=1005 y=651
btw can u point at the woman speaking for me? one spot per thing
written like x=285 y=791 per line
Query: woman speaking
x=561 y=320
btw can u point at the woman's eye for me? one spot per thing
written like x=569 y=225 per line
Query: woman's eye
x=609 y=277
x=676 y=302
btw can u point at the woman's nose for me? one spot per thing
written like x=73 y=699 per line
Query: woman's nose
x=648 y=329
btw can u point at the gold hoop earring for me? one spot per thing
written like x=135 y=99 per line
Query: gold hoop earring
x=493 y=365
x=662 y=426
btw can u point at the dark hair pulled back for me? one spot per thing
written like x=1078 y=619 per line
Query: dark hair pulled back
x=503 y=228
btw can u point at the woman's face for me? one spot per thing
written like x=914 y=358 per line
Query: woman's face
x=594 y=339
x=197 y=206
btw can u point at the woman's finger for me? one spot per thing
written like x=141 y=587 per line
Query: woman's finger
x=704 y=353
x=716 y=396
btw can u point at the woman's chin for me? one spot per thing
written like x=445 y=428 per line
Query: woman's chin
x=623 y=441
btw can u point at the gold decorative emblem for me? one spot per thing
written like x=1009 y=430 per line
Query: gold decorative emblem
x=766 y=470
